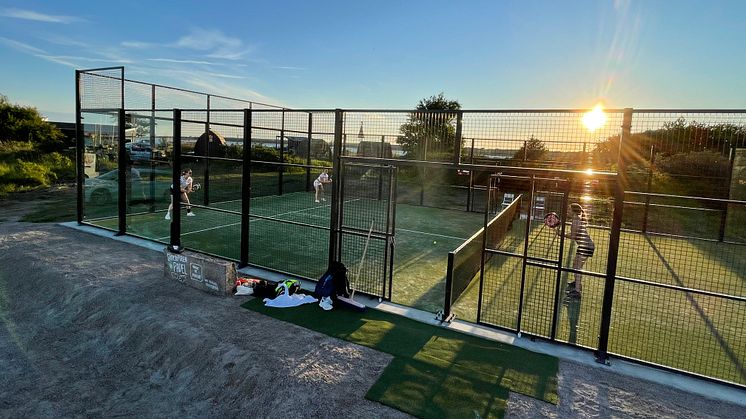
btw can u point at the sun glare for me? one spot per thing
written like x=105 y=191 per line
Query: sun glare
x=586 y=198
x=594 y=119
x=589 y=172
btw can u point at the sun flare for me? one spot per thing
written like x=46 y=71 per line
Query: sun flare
x=594 y=119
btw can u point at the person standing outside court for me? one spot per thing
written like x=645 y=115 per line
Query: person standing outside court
x=319 y=183
x=185 y=187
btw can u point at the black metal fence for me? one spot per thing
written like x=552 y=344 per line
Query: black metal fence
x=664 y=194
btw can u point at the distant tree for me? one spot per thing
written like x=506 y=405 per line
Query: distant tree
x=430 y=134
x=533 y=149
x=674 y=137
x=23 y=123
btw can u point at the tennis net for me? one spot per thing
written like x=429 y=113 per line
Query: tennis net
x=465 y=261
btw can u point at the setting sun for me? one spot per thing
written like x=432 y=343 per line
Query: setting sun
x=594 y=119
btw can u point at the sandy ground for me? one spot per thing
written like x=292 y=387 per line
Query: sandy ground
x=90 y=328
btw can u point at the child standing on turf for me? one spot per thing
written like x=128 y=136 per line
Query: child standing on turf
x=319 y=183
x=585 y=246
x=185 y=186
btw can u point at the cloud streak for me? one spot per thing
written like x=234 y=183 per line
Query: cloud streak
x=170 y=60
x=214 y=43
x=38 y=17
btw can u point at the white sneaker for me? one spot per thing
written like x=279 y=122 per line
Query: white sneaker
x=326 y=303
x=317 y=201
x=323 y=199
x=168 y=216
x=191 y=214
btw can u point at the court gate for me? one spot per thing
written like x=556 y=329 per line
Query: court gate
x=363 y=235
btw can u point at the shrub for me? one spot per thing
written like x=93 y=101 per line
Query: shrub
x=698 y=163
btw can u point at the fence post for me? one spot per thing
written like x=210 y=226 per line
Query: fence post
x=245 y=189
x=650 y=185
x=206 y=186
x=724 y=215
x=124 y=176
x=470 y=190
x=602 y=355
x=334 y=226
x=308 y=156
x=79 y=150
x=458 y=143
x=527 y=235
x=151 y=180
x=175 y=240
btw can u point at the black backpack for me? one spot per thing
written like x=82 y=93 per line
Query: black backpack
x=333 y=282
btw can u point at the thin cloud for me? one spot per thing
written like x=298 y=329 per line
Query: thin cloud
x=38 y=17
x=137 y=44
x=63 y=40
x=286 y=67
x=225 y=76
x=20 y=46
x=69 y=61
x=170 y=60
x=230 y=90
x=215 y=42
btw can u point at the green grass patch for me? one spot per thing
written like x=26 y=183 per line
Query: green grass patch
x=432 y=363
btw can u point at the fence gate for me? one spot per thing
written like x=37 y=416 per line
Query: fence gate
x=366 y=226
x=526 y=269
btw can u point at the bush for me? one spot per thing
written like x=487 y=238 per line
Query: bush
x=698 y=163
x=22 y=123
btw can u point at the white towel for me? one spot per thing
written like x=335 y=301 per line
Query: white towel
x=285 y=300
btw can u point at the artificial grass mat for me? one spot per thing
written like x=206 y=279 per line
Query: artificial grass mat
x=436 y=372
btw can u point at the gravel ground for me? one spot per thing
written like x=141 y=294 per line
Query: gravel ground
x=90 y=328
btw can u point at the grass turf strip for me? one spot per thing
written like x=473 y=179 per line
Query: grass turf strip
x=464 y=374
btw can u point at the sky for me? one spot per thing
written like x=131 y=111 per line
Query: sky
x=386 y=54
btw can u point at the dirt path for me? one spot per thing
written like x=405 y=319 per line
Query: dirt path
x=89 y=327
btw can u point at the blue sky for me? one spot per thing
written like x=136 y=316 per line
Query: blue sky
x=386 y=54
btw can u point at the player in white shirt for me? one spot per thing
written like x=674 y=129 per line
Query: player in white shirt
x=319 y=183
x=185 y=186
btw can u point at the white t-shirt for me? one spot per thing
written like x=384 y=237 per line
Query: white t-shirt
x=323 y=178
x=185 y=182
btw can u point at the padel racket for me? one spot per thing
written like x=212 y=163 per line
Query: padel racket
x=552 y=220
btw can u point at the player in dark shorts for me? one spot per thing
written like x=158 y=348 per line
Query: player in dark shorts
x=585 y=247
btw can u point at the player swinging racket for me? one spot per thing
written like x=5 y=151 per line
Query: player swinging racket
x=585 y=246
x=186 y=185
x=319 y=183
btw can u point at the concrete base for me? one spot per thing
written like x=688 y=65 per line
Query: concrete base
x=206 y=273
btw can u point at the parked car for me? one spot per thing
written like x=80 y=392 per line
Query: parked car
x=103 y=189
x=142 y=151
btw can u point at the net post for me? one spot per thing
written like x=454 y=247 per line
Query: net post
x=79 y=150
x=175 y=239
x=123 y=176
x=449 y=285
x=245 y=188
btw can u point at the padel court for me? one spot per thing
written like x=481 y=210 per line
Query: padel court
x=666 y=284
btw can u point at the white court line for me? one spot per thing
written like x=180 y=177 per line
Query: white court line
x=256 y=219
x=432 y=234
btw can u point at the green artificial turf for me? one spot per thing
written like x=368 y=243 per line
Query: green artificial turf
x=422 y=390
x=478 y=372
